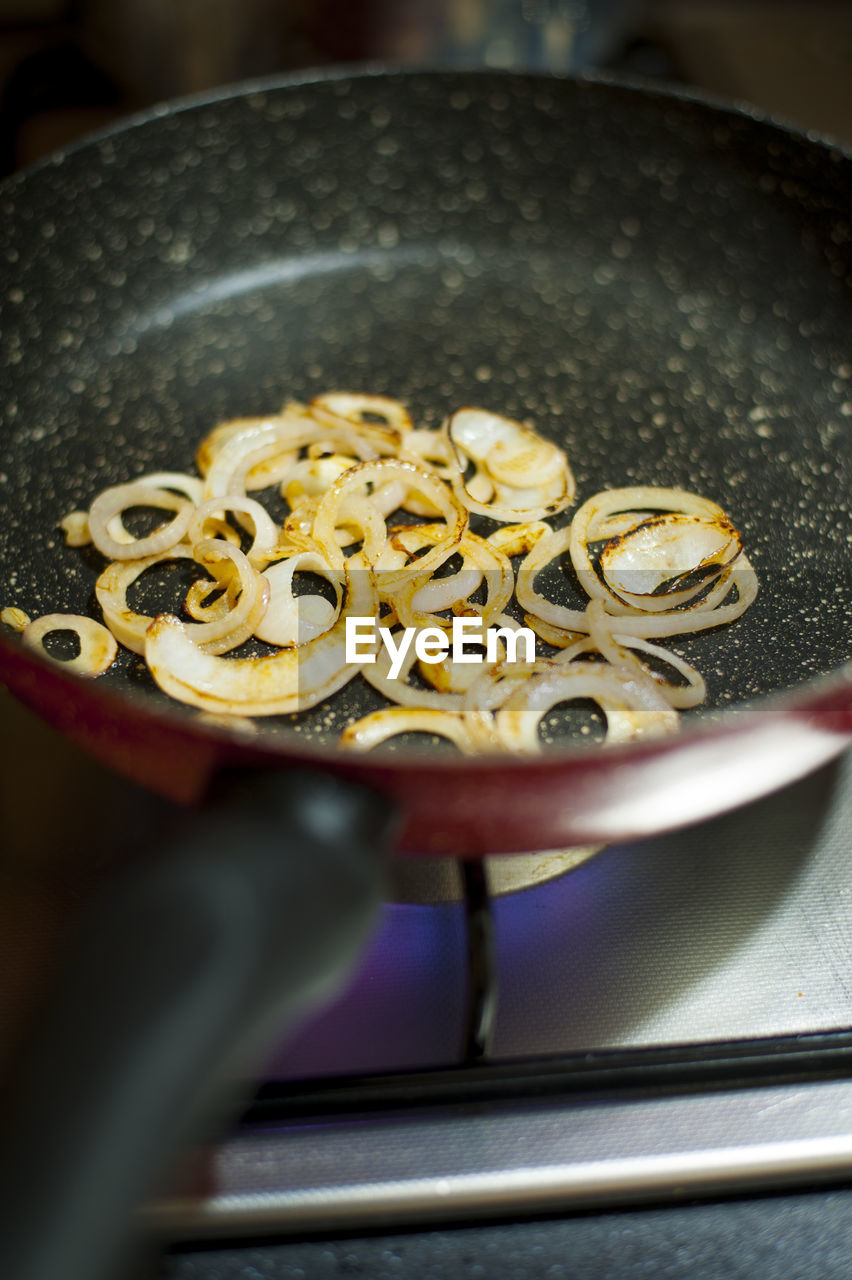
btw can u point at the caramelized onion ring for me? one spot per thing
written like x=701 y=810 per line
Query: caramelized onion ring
x=652 y=562
x=231 y=624
x=98 y=648
x=277 y=684
x=120 y=497
x=525 y=476
x=378 y=472
x=633 y=706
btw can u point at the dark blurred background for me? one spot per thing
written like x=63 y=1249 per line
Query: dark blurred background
x=70 y=66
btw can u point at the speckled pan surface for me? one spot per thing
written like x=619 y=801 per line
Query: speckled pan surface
x=660 y=285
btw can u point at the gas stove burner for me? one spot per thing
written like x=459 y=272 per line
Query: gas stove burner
x=426 y=881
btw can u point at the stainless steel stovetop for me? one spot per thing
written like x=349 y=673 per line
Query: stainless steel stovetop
x=671 y=1020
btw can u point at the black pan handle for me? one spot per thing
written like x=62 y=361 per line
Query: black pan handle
x=177 y=978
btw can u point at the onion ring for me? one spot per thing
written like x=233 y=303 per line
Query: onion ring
x=277 y=684
x=377 y=472
x=529 y=476
x=633 y=706
x=652 y=562
x=230 y=625
x=98 y=649
x=111 y=502
x=267 y=534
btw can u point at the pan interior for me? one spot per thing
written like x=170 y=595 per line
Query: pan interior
x=660 y=286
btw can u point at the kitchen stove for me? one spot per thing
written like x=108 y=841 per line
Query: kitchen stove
x=672 y=1019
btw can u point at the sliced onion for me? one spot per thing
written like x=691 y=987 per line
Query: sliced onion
x=428 y=449
x=265 y=438
x=111 y=502
x=250 y=594
x=312 y=476
x=653 y=562
x=75 y=526
x=357 y=478
x=254 y=441
x=111 y=589
x=177 y=482
x=190 y=486
x=548 y=547
x=398 y=690
x=595 y=519
x=518 y=539
x=229 y=626
x=15 y=618
x=647 y=565
x=621 y=652
x=460 y=677
x=277 y=684
x=692 y=609
x=98 y=649
x=469 y=733
x=497 y=684
x=208 y=601
x=480 y=559
x=363 y=410
x=266 y=473
x=434 y=593
x=267 y=534
x=242 y=724
x=294 y=620
x=530 y=477
x=558 y=637
x=633 y=706
x=442 y=593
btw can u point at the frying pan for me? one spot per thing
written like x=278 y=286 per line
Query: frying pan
x=660 y=283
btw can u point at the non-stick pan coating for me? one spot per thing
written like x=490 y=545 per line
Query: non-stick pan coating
x=660 y=285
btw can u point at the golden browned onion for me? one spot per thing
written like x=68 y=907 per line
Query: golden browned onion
x=469 y=733
x=232 y=623
x=361 y=410
x=15 y=618
x=276 y=684
x=263 y=439
x=548 y=547
x=294 y=620
x=113 y=501
x=702 y=544
x=632 y=704
x=662 y=561
x=267 y=534
x=518 y=476
x=126 y=624
x=399 y=690
x=413 y=600
x=652 y=562
x=353 y=483
x=621 y=652
x=266 y=473
x=98 y=649
x=518 y=539
x=310 y=477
